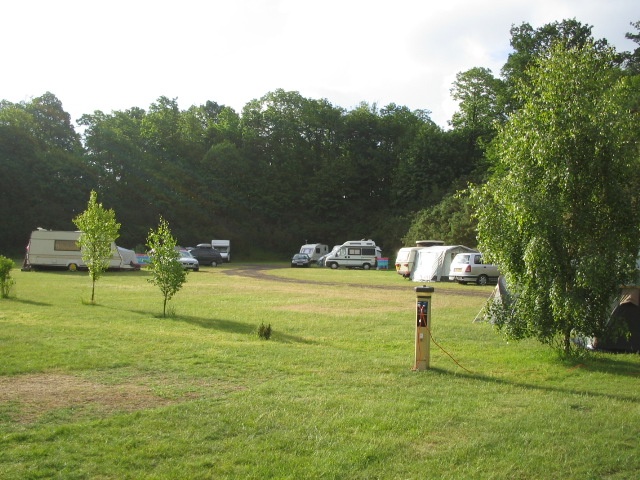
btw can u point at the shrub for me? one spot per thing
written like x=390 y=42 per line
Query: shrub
x=264 y=331
x=6 y=282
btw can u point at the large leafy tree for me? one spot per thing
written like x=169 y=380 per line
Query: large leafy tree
x=99 y=230
x=531 y=43
x=43 y=179
x=560 y=213
x=631 y=60
x=479 y=96
x=451 y=221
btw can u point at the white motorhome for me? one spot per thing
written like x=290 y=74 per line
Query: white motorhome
x=224 y=247
x=315 y=250
x=354 y=254
x=59 y=249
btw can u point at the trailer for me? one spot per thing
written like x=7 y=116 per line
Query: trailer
x=315 y=250
x=57 y=249
x=224 y=247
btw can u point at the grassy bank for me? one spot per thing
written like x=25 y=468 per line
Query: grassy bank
x=114 y=390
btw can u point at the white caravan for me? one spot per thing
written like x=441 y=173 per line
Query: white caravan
x=354 y=254
x=59 y=249
x=406 y=258
x=405 y=261
x=315 y=250
x=224 y=247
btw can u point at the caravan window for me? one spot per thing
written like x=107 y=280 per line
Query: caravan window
x=353 y=251
x=66 y=245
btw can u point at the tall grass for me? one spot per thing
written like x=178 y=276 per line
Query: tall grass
x=114 y=390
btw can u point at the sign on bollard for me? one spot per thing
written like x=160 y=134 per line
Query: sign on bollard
x=423 y=326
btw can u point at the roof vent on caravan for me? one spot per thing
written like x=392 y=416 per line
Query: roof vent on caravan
x=428 y=243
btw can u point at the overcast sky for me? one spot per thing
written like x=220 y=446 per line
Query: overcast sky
x=114 y=55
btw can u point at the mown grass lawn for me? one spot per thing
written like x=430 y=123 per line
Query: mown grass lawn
x=114 y=390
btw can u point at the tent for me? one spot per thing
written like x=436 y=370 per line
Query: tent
x=500 y=295
x=626 y=314
x=432 y=264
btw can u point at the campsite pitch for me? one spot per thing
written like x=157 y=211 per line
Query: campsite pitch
x=114 y=390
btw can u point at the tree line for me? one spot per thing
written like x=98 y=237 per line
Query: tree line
x=285 y=171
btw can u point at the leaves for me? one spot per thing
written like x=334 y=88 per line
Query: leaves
x=559 y=214
x=99 y=230
x=167 y=272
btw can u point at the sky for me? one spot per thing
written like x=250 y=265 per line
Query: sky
x=114 y=55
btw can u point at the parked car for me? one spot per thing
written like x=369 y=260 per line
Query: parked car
x=206 y=254
x=300 y=260
x=187 y=260
x=469 y=267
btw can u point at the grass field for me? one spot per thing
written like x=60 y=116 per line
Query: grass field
x=114 y=390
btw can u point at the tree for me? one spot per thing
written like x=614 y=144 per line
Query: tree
x=6 y=282
x=99 y=230
x=166 y=270
x=451 y=220
x=529 y=44
x=560 y=213
x=632 y=59
x=479 y=95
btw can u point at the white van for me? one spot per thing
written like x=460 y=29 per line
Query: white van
x=354 y=254
x=315 y=250
x=59 y=249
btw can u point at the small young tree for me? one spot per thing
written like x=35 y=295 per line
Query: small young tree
x=6 y=282
x=99 y=230
x=166 y=270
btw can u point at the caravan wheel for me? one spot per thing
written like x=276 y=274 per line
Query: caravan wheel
x=366 y=266
x=73 y=267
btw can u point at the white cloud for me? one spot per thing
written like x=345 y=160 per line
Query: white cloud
x=120 y=54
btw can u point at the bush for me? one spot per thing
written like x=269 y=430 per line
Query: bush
x=264 y=331
x=6 y=282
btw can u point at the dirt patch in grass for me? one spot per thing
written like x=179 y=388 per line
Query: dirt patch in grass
x=36 y=395
x=262 y=272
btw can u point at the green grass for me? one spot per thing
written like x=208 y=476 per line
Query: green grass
x=114 y=390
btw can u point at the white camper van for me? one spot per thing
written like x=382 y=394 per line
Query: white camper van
x=224 y=247
x=315 y=250
x=354 y=254
x=59 y=249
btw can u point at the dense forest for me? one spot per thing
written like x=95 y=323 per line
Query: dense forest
x=285 y=171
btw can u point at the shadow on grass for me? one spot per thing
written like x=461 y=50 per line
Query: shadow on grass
x=28 y=302
x=223 y=325
x=547 y=388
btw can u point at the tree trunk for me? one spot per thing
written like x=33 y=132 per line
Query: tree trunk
x=566 y=342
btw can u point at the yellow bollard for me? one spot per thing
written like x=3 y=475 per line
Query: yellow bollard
x=423 y=326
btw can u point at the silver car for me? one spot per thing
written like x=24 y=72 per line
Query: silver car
x=188 y=261
x=468 y=267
